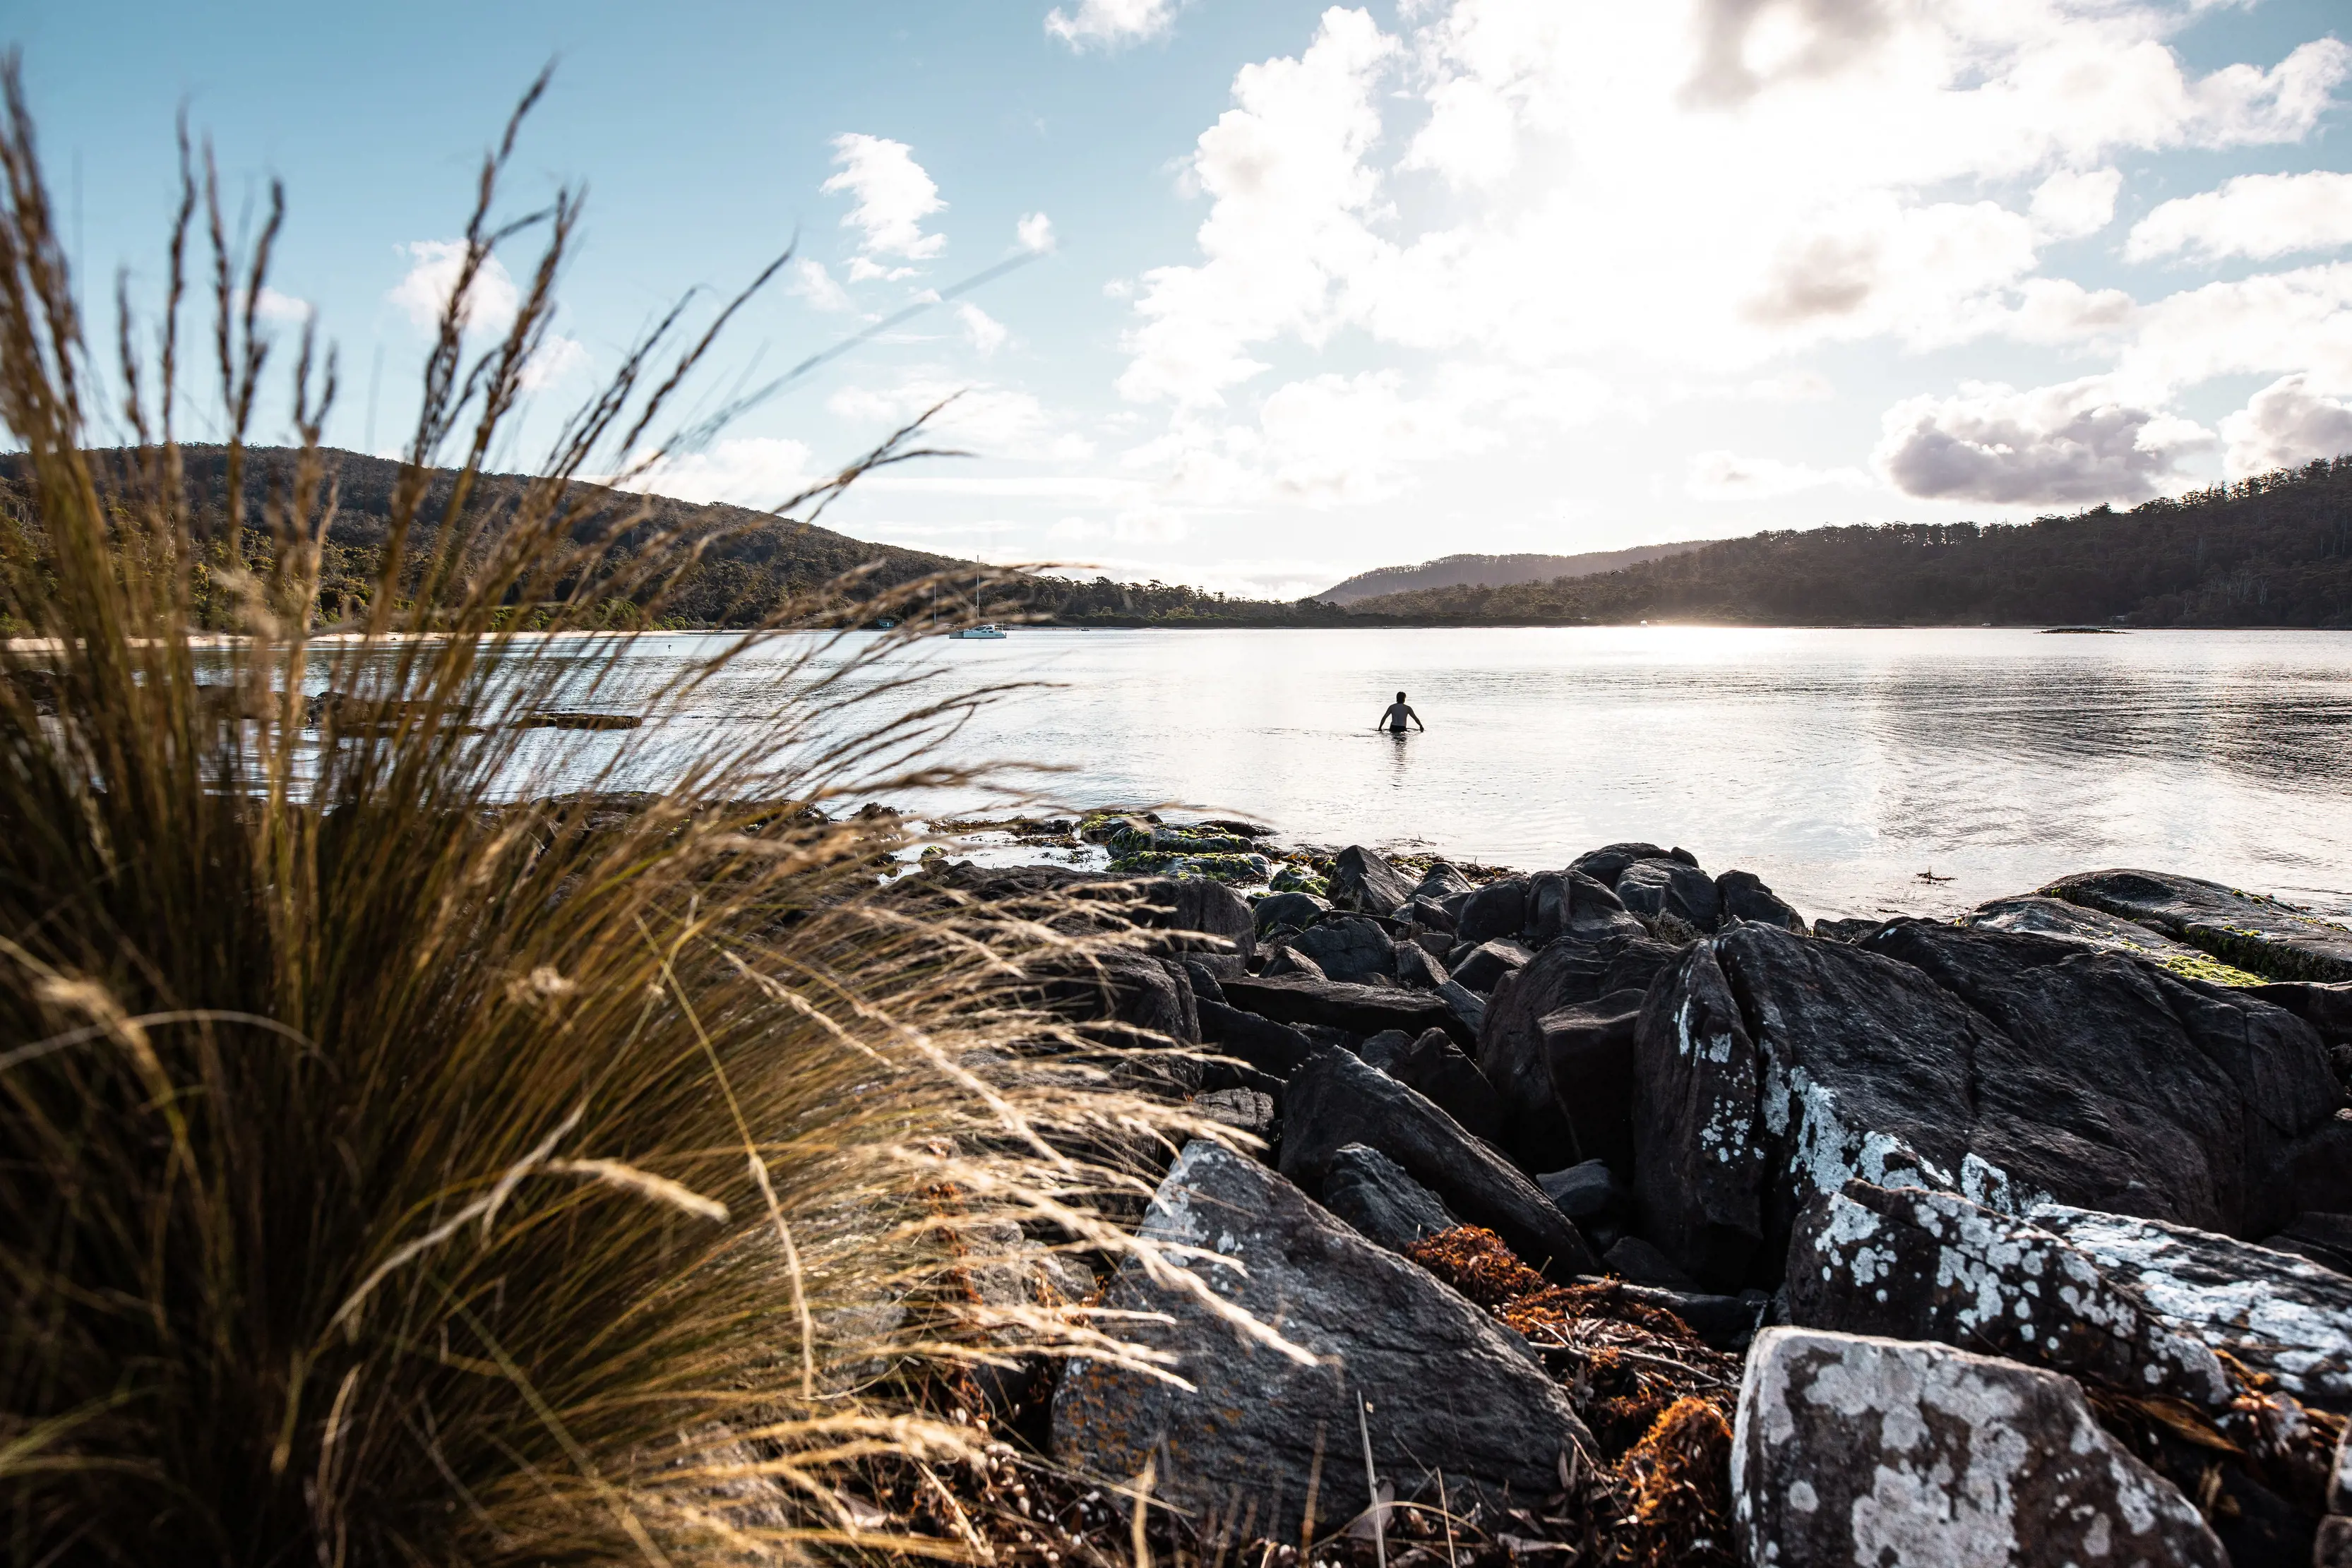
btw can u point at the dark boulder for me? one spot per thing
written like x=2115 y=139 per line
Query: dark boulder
x=1605 y=864
x=1335 y=1100
x=1630 y=1257
x=1481 y=967
x=1429 y=912
x=1437 y=1069
x=2327 y=1009
x=1512 y=1052
x=2042 y=916
x=1124 y=999
x=1265 y=1045
x=1858 y=1452
x=1446 y=1384
x=1362 y=881
x=1770 y=1067
x=1845 y=930
x=1668 y=887
x=1283 y=960
x=1469 y=1008
x=1583 y=1192
x=1243 y=1110
x=1498 y=909
x=1382 y=1049
x=2248 y=930
x=1918 y=1265
x=1442 y=880
x=1287 y=910
x=2325 y=1239
x=1417 y=967
x=1359 y=1010
x=1588 y=1051
x=1569 y=903
x=2274 y=1313
x=1373 y=1193
x=1206 y=986
x=1742 y=895
x=1350 y=947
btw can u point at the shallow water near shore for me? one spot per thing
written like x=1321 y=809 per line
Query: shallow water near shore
x=1837 y=764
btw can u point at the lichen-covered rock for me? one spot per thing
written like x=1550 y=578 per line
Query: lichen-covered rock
x=1856 y=1450
x=2096 y=928
x=2250 y=930
x=1447 y=1386
x=2276 y=1312
x=1911 y=1264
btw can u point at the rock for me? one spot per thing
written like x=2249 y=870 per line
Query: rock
x=1373 y=1193
x=1856 y=1450
x=1722 y=1322
x=1211 y=917
x=2327 y=1009
x=1382 y=1049
x=1362 y=881
x=1430 y=913
x=1742 y=895
x=2248 y=930
x=1770 y=1067
x=1583 y=1191
x=1359 y=1010
x=1845 y=930
x=1469 y=1008
x=1350 y=947
x=1917 y=1265
x=1417 y=967
x=2096 y=928
x=1488 y=962
x=1498 y=909
x=2276 y=1312
x=1442 y=880
x=1588 y=1051
x=1243 y=1110
x=2325 y=1239
x=1657 y=887
x=1294 y=911
x=1512 y=1052
x=1284 y=960
x=1447 y=1385
x=1125 y=999
x=1436 y=1069
x=1206 y=986
x=1569 y=903
x=1633 y=1258
x=1335 y=1100
x=1265 y=1044
x=1605 y=864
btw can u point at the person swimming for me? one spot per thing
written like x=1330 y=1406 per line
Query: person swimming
x=1396 y=715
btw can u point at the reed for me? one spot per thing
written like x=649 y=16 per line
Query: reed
x=412 y=1148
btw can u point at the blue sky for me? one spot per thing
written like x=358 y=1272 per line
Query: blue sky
x=1323 y=288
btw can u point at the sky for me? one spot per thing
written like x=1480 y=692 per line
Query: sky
x=1305 y=289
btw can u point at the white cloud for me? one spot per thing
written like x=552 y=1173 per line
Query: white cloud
x=280 y=310
x=1034 y=231
x=559 y=359
x=987 y=421
x=433 y=265
x=744 y=471
x=2272 y=323
x=2285 y=426
x=2074 y=204
x=1727 y=476
x=812 y=282
x=1112 y=23
x=892 y=197
x=2258 y=216
x=985 y=331
x=1794 y=386
x=2078 y=441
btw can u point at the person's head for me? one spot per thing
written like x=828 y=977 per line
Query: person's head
x=1400 y=696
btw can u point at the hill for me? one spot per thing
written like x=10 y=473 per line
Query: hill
x=1494 y=570
x=2272 y=550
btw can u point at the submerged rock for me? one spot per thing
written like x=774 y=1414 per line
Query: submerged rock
x=1854 y=1450
x=2250 y=930
x=1433 y=1378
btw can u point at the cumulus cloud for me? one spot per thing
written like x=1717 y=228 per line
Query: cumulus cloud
x=985 y=332
x=743 y=471
x=2074 y=443
x=2285 y=426
x=2259 y=216
x=433 y=265
x=1034 y=231
x=1112 y=23
x=812 y=282
x=2274 y=323
x=893 y=194
x=557 y=359
x=988 y=420
x=1727 y=476
x=2073 y=203
x=279 y=309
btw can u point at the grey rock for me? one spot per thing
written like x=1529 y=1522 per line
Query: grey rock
x=1582 y=1191
x=1437 y=1069
x=1125 y=999
x=1441 y=881
x=1373 y=1193
x=2276 y=1312
x=1854 y=1450
x=1485 y=965
x=1243 y=1110
x=2326 y=1007
x=1293 y=911
x=2042 y=917
x=1361 y=880
x=1569 y=903
x=1917 y=1265
x=1742 y=895
x=1588 y=1050
x=1417 y=967
x=1498 y=909
x=1382 y=1049
x=1656 y=887
x=1845 y=930
x=1359 y=1010
x=1447 y=1385
x=1512 y=1049
x=2250 y=930
x=1349 y=948
x=1206 y=986
x=1335 y=1100
x=1469 y=1008
x=1605 y=864
x=1633 y=1258
x=1265 y=1045
x=1428 y=912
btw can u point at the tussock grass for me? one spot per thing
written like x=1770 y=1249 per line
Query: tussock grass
x=401 y=1165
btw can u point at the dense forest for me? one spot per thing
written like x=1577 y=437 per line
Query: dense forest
x=2272 y=550
x=1494 y=570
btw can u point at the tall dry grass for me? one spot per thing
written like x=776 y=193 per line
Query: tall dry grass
x=399 y=1163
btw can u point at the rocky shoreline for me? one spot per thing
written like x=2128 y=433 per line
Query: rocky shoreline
x=1624 y=1215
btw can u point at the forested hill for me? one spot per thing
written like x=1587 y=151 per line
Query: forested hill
x=1492 y=571
x=2274 y=550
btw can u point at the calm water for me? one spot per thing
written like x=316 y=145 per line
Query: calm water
x=1837 y=764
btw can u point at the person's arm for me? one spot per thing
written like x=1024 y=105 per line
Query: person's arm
x=1416 y=721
